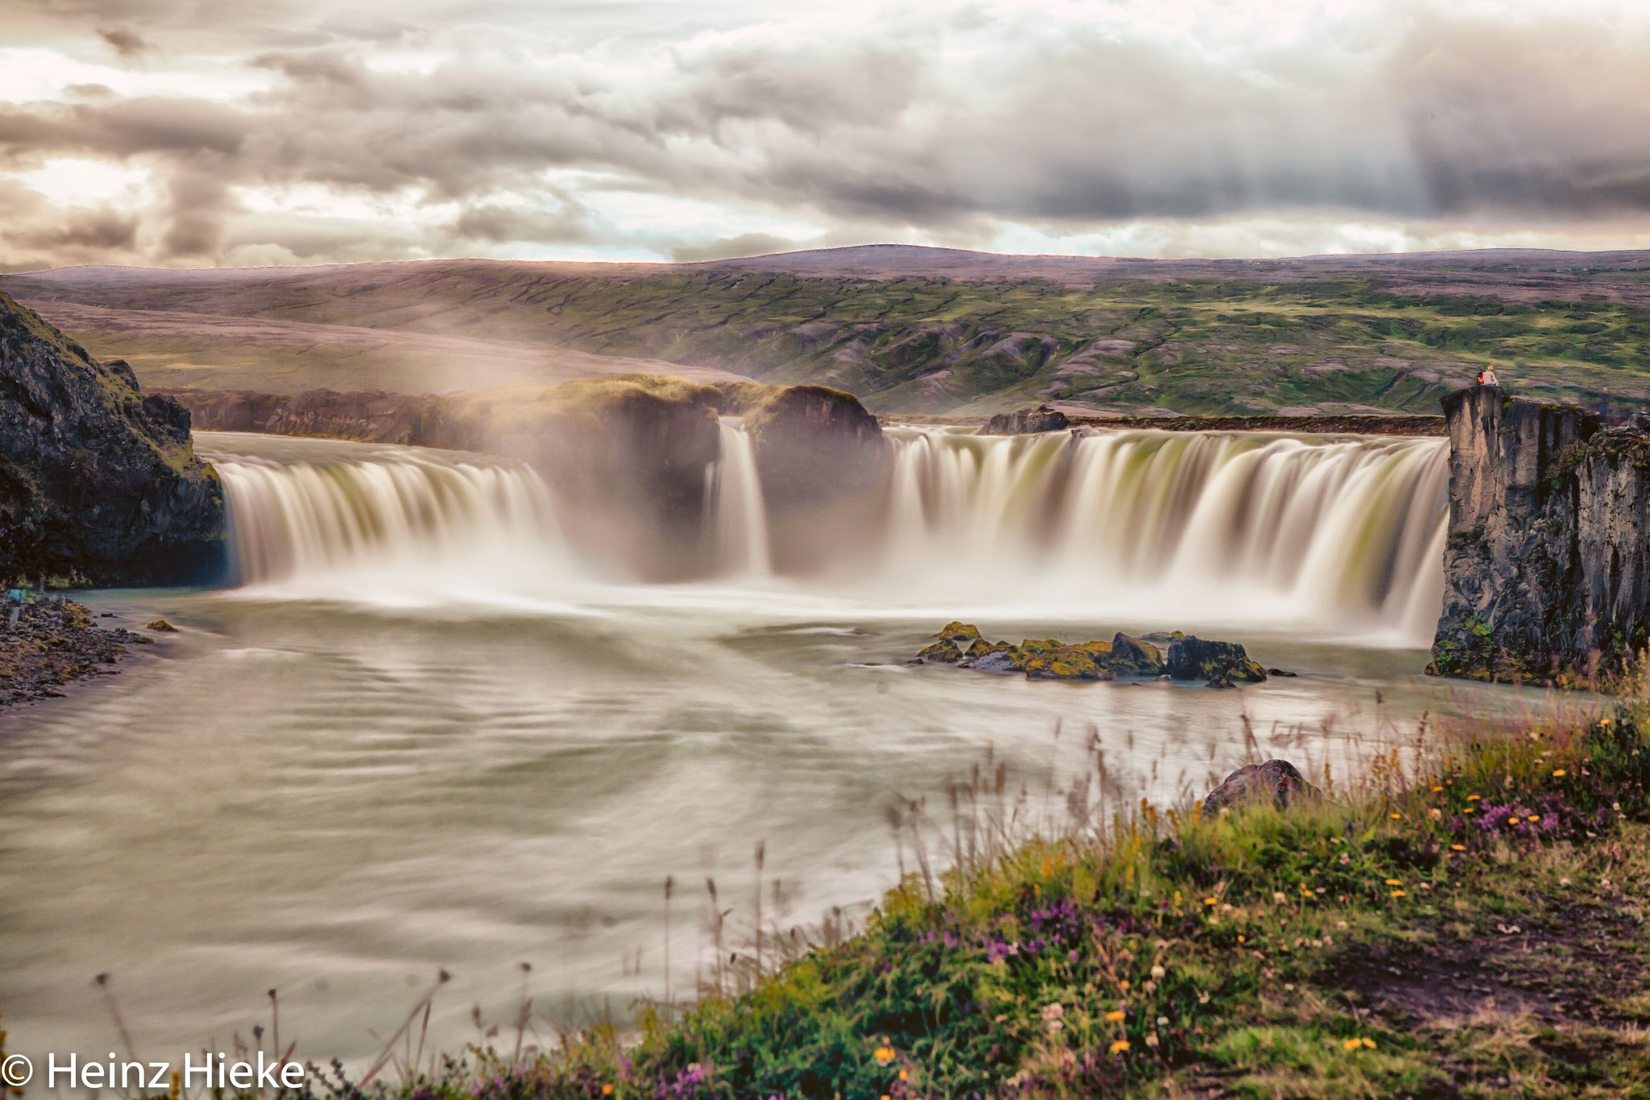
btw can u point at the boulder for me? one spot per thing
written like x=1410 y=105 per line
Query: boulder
x=995 y=660
x=1131 y=656
x=942 y=652
x=98 y=482
x=1276 y=780
x=1065 y=663
x=1043 y=418
x=1218 y=663
x=959 y=632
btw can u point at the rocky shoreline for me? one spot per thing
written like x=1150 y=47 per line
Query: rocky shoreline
x=54 y=643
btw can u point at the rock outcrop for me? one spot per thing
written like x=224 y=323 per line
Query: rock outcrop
x=1044 y=418
x=816 y=444
x=98 y=482
x=1218 y=664
x=1547 y=567
x=1276 y=781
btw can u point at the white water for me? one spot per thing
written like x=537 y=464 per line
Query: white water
x=1342 y=537
x=738 y=517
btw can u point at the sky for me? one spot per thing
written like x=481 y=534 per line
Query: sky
x=188 y=133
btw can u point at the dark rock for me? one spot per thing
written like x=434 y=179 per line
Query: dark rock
x=943 y=652
x=996 y=660
x=1276 y=780
x=1547 y=566
x=1192 y=658
x=97 y=482
x=1043 y=418
x=1131 y=656
x=1281 y=672
x=816 y=444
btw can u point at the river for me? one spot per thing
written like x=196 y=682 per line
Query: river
x=426 y=728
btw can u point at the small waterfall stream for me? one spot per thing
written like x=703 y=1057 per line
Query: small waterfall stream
x=738 y=516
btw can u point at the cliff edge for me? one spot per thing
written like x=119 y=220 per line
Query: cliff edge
x=1547 y=567
x=98 y=483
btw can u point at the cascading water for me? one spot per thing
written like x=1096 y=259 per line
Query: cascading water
x=738 y=517
x=1339 y=535
x=1342 y=533
x=394 y=523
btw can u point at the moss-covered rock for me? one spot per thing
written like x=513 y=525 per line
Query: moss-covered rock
x=1220 y=664
x=942 y=652
x=959 y=632
x=1131 y=656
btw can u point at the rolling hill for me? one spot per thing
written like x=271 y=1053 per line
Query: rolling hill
x=909 y=329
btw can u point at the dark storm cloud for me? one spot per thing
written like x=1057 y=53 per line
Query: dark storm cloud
x=946 y=126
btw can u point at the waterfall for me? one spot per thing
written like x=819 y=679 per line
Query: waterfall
x=393 y=523
x=738 y=517
x=1342 y=535
x=1345 y=533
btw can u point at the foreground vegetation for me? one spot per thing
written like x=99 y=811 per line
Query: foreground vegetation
x=1467 y=920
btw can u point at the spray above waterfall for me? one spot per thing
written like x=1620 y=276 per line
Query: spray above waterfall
x=1148 y=528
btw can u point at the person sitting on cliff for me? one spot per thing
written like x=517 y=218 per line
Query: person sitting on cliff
x=1486 y=377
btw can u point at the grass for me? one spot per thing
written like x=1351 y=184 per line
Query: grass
x=1466 y=920
x=1216 y=346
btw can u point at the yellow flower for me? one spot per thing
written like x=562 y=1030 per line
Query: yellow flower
x=1398 y=894
x=1457 y=847
x=1535 y=817
x=1118 y=1046
x=1436 y=788
x=1474 y=797
x=1394 y=882
x=1468 y=810
x=1604 y=721
x=1559 y=773
x=1115 y=1016
x=1351 y=1044
x=1368 y=1042
x=884 y=1055
x=1396 y=816
x=904 y=1075
x=607 y=1090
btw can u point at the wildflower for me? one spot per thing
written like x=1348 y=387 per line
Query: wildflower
x=1368 y=1042
x=1394 y=882
x=607 y=1090
x=1151 y=1040
x=1396 y=816
x=1119 y=1046
x=1558 y=773
x=1351 y=1044
x=1158 y=972
x=1211 y=901
x=1115 y=1016
x=1457 y=847
x=883 y=1055
x=1474 y=797
x=1436 y=788
x=1162 y=1021
x=1604 y=721
x=904 y=1074
x=1398 y=894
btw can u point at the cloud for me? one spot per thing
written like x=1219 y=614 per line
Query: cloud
x=960 y=125
x=128 y=43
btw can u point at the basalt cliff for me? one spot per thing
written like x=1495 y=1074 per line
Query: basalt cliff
x=99 y=483
x=1547 y=568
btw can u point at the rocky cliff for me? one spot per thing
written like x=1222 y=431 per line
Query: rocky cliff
x=98 y=482
x=1547 y=570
